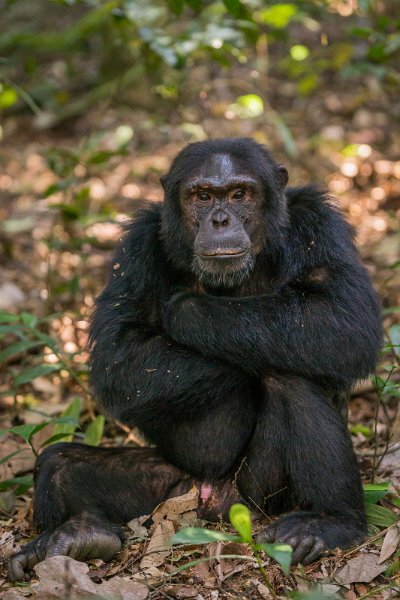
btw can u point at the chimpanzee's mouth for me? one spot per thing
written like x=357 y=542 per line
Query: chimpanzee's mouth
x=224 y=267
x=223 y=253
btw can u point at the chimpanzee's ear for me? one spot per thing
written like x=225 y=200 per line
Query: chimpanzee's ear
x=282 y=175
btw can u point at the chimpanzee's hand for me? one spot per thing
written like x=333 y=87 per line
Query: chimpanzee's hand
x=310 y=534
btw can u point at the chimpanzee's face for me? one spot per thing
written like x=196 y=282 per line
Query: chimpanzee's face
x=223 y=210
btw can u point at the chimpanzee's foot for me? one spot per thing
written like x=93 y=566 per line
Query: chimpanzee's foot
x=311 y=534
x=81 y=537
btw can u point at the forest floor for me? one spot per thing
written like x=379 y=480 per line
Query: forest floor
x=65 y=193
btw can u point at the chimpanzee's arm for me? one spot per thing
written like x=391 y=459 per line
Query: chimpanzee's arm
x=323 y=323
x=139 y=374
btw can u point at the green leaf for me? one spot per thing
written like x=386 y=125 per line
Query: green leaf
x=197 y=535
x=8 y=96
x=379 y=383
x=28 y=431
x=395 y=500
x=299 y=52
x=29 y=320
x=94 y=431
x=14 y=329
x=6 y=317
x=99 y=157
x=195 y=5
x=48 y=341
x=17 y=348
x=278 y=16
x=64 y=420
x=373 y=492
x=308 y=83
x=25 y=431
x=366 y=5
x=60 y=186
x=69 y=213
x=394 y=337
x=19 y=484
x=240 y=517
x=237 y=9
x=377 y=52
x=55 y=438
x=176 y=6
x=73 y=411
x=282 y=553
x=252 y=104
x=380 y=516
x=315 y=593
x=34 y=372
x=286 y=136
x=361 y=32
x=359 y=428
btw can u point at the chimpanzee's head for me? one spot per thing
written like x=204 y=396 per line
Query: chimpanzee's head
x=224 y=204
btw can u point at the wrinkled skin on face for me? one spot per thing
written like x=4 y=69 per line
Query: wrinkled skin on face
x=222 y=204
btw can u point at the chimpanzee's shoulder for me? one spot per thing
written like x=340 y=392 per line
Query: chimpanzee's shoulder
x=311 y=207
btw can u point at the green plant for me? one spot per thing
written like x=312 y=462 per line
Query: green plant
x=26 y=344
x=240 y=517
x=63 y=428
x=23 y=336
x=27 y=433
x=146 y=49
x=387 y=383
x=377 y=515
x=94 y=153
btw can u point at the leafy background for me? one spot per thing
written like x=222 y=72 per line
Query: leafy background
x=96 y=97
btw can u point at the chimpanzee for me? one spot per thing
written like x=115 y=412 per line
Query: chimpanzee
x=236 y=314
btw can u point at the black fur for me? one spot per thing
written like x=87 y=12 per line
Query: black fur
x=235 y=383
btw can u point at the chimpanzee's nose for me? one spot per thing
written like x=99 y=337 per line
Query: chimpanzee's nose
x=220 y=219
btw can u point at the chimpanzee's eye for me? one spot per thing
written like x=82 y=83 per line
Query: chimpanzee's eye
x=238 y=194
x=204 y=196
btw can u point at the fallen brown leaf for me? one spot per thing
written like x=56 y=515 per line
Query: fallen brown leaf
x=261 y=589
x=390 y=543
x=14 y=594
x=62 y=576
x=152 y=576
x=19 y=463
x=204 y=572
x=363 y=568
x=138 y=530
x=181 y=592
x=7 y=545
x=7 y=501
x=159 y=545
x=175 y=509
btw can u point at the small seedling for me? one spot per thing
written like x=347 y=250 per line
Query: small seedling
x=240 y=517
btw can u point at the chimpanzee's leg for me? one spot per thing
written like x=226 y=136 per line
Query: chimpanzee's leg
x=81 y=492
x=301 y=456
